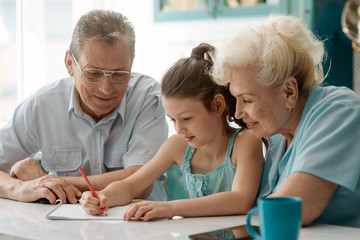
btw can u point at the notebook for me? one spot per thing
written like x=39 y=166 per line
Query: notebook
x=75 y=212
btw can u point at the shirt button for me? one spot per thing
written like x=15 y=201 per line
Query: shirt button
x=61 y=163
x=95 y=128
x=96 y=165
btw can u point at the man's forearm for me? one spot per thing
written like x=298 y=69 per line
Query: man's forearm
x=100 y=181
x=9 y=186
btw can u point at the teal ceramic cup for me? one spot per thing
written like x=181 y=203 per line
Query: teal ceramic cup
x=279 y=218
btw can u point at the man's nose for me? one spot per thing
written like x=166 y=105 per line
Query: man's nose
x=106 y=85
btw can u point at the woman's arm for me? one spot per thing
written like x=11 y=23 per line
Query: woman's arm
x=315 y=193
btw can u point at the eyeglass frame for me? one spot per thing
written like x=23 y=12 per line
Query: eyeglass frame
x=106 y=73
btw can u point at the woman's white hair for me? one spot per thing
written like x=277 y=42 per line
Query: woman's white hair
x=280 y=48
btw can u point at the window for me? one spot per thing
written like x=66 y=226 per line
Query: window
x=34 y=35
x=8 y=59
x=185 y=10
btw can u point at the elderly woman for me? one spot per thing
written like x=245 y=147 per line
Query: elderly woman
x=274 y=70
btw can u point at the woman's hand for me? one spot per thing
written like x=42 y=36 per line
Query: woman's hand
x=93 y=205
x=147 y=210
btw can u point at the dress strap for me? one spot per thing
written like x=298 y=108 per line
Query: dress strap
x=231 y=144
x=187 y=157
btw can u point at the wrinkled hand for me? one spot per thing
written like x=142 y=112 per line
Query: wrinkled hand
x=92 y=205
x=50 y=187
x=27 y=169
x=148 y=210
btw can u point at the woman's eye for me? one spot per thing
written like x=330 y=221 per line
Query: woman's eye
x=247 y=101
x=186 y=119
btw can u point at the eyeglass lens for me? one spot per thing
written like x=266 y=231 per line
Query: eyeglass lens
x=96 y=75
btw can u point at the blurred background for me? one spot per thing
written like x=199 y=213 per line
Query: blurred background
x=34 y=35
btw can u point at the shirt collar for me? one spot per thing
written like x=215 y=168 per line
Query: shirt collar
x=316 y=94
x=74 y=104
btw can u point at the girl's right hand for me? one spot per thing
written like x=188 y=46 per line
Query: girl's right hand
x=93 y=205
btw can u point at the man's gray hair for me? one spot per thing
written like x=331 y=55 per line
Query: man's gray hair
x=102 y=25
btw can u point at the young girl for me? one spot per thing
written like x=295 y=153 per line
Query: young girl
x=221 y=165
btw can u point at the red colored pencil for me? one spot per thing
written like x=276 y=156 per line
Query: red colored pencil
x=89 y=184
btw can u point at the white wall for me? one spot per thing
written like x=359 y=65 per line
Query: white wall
x=32 y=58
x=159 y=45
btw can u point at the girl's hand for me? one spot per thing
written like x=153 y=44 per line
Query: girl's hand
x=92 y=205
x=147 y=210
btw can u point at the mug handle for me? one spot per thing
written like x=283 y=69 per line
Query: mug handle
x=249 y=228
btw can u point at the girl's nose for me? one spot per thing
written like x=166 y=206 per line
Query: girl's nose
x=179 y=128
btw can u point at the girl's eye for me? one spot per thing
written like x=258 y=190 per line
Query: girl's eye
x=186 y=119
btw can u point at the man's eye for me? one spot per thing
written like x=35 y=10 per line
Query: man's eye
x=92 y=74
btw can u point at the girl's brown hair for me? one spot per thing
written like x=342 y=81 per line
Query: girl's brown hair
x=189 y=77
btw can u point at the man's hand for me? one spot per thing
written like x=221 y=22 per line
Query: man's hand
x=50 y=187
x=27 y=169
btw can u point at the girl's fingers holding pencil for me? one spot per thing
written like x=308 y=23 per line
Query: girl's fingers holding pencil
x=90 y=204
x=88 y=198
x=102 y=200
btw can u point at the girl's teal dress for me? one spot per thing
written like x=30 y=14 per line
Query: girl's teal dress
x=218 y=180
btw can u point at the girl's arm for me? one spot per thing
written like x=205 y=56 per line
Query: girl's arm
x=249 y=158
x=123 y=192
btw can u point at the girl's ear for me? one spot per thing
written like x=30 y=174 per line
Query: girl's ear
x=220 y=104
x=68 y=62
x=291 y=92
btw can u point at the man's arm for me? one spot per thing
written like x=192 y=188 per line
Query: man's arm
x=315 y=193
x=30 y=169
x=48 y=186
x=27 y=169
x=100 y=181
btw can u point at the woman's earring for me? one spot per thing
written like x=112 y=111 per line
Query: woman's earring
x=291 y=111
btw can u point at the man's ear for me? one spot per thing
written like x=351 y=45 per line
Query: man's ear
x=220 y=104
x=291 y=92
x=68 y=63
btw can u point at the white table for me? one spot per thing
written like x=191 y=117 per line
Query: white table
x=27 y=220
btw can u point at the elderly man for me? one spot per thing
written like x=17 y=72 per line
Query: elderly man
x=104 y=118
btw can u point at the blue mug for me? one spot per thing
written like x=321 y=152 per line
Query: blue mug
x=279 y=218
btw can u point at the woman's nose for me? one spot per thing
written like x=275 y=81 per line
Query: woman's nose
x=239 y=111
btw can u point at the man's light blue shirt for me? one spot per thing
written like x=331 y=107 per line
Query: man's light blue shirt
x=326 y=145
x=51 y=121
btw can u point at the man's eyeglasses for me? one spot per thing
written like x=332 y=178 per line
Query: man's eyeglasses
x=95 y=75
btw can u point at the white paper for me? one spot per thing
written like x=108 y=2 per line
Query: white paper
x=75 y=212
